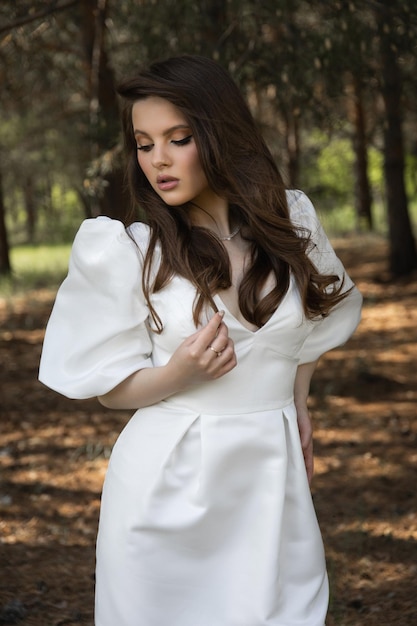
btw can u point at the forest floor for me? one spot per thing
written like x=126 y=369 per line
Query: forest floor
x=54 y=453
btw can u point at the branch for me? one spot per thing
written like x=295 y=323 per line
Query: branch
x=39 y=15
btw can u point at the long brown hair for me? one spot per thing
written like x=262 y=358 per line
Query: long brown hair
x=240 y=168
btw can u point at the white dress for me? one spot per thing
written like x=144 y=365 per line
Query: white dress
x=206 y=516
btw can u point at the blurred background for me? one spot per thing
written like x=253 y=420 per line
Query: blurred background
x=333 y=87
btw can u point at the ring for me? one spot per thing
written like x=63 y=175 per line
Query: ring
x=215 y=351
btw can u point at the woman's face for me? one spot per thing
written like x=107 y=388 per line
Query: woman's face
x=167 y=153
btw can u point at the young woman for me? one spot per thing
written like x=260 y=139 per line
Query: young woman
x=208 y=320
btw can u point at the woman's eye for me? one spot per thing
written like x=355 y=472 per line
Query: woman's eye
x=182 y=142
x=145 y=148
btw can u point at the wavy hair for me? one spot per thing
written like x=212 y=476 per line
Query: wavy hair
x=240 y=168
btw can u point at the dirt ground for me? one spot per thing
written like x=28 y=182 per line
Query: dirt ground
x=54 y=452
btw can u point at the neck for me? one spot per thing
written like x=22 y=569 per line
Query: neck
x=232 y=234
x=214 y=216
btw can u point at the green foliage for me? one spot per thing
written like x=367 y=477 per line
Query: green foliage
x=337 y=218
x=411 y=174
x=58 y=215
x=58 y=114
x=327 y=176
x=413 y=214
x=335 y=167
x=375 y=169
x=36 y=267
x=327 y=167
x=67 y=215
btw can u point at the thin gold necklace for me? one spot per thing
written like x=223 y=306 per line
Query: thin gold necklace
x=232 y=234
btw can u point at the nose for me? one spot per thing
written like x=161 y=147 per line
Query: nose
x=160 y=156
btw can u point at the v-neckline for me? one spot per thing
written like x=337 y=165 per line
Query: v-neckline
x=223 y=307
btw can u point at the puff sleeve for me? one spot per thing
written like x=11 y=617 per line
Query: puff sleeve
x=335 y=329
x=97 y=333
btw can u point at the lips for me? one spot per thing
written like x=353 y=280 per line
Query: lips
x=165 y=182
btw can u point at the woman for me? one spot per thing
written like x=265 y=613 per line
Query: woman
x=209 y=320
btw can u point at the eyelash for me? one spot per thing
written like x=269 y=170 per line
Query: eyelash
x=176 y=142
x=182 y=142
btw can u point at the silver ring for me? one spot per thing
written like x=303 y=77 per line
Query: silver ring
x=215 y=351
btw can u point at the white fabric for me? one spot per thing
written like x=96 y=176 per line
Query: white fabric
x=207 y=517
x=96 y=336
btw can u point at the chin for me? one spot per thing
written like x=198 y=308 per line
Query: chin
x=174 y=203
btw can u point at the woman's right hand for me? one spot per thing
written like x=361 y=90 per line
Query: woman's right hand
x=206 y=355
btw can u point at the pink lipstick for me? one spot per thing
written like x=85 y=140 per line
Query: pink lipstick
x=166 y=183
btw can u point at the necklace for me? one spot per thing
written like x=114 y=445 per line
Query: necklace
x=232 y=234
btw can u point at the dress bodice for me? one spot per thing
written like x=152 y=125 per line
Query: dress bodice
x=99 y=331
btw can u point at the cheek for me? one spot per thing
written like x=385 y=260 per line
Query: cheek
x=195 y=167
x=201 y=177
x=144 y=165
x=140 y=160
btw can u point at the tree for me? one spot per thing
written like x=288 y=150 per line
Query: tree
x=357 y=117
x=403 y=255
x=5 y=267
x=107 y=191
x=304 y=66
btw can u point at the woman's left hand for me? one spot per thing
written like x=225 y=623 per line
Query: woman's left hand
x=306 y=436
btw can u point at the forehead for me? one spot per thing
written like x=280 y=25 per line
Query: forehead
x=154 y=115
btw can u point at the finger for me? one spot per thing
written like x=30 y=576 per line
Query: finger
x=206 y=335
x=309 y=461
x=220 y=342
x=216 y=352
x=310 y=469
x=226 y=363
x=223 y=364
x=226 y=359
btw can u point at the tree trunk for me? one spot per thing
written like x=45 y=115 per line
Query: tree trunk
x=292 y=141
x=214 y=12
x=363 y=196
x=403 y=255
x=5 y=267
x=30 y=208
x=104 y=113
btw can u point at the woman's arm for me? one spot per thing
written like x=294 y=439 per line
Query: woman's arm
x=301 y=392
x=193 y=363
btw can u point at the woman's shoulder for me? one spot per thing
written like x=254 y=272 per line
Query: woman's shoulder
x=100 y=235
x=140 y=232
x=302 y=212
x=105 y=229
x=299 y=203
x=104 y=245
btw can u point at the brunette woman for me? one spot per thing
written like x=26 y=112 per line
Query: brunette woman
x=208 y=319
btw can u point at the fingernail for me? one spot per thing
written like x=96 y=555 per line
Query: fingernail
x=221 y=313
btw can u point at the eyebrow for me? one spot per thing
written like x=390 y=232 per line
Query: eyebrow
x=166 y=132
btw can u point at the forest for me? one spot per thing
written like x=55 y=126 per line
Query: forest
x=333 y=88
x=332 y=85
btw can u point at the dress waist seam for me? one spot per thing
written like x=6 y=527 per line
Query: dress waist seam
x=235 y=410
